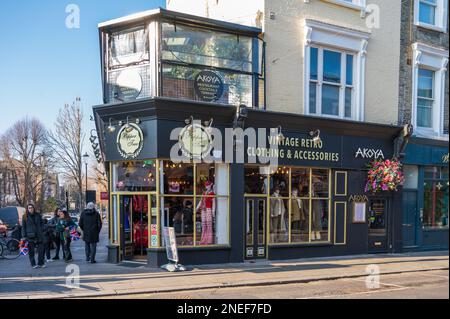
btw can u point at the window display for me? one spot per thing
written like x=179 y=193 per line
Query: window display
x=435 y=207
x=299 y=202
x=199 y=213
x=134 y=176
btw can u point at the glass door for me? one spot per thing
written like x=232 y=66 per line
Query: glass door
x=378 y=225
x=255 y=228
x=134 y=211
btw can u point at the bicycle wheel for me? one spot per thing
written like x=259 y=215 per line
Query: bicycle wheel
x=12 y=249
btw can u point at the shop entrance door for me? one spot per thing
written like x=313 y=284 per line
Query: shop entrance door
x=255 y=228
x=378 y=225
x=134 y=226
x=409 y=218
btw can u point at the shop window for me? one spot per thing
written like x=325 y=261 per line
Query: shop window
x=178 y=212
x=134 y=176
x=320 y=183
x=302 y=215
x=279 y=218
x=199 y=212
x=280 y=180
x=255 y=179
x=178 y=178
x=319 y=220
x=331 y=83
x=299 y=218
x=435 y=207
x=300 y=181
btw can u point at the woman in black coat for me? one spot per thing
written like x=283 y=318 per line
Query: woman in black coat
x=32 y=232
x=91 y=224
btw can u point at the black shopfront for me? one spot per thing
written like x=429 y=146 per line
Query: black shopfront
x=169 y=79
x=311 y=204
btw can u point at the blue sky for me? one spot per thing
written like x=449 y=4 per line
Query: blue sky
x=44 y=65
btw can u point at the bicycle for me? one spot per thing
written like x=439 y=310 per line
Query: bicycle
x=9 y=247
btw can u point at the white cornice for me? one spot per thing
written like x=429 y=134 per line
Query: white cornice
x=318 y=25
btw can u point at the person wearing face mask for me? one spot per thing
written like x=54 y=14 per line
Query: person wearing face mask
x=32 y=232
x=277 y=211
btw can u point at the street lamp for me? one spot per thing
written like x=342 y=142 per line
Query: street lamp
x=86 y=156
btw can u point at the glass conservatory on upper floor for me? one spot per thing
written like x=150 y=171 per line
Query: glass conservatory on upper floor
x=170 y=54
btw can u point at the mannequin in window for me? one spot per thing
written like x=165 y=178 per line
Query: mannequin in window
x=317 y=210
x=207 y=207
x=277 y=211
x=298 y=212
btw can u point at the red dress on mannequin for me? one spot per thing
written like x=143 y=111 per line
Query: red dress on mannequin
x=206 y=207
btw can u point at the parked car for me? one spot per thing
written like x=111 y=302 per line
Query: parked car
x=11 y=216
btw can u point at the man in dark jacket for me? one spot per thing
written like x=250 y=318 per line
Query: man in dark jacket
x=91 y=224
x=32 y=231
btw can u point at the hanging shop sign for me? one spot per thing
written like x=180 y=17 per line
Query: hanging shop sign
x=208 y=86
x=130 y=141
x=128 y=85
x=195 y=141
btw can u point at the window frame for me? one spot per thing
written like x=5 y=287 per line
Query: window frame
x=433 y=180
x=433 y=59
x=359 y=5
x=309 y=197
x=440 y=15
x=432 y=99
x=342 y=85
x=317 y=33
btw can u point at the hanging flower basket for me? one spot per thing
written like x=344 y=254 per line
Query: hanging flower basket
x=384 y=175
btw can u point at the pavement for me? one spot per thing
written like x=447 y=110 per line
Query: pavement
x=59 y=280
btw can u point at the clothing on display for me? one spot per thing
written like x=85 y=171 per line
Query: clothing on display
x=207 y=208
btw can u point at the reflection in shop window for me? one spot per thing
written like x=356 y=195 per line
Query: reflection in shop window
x=134 y=176
x=280 y=180
x=279 y=216
x=299 y=218
x=319 y=220
x=178 y=178
x=178 y=213
x=435 y=209
x=319 y=186
x=255 y=179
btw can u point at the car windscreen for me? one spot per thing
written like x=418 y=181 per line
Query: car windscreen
x=9 y=216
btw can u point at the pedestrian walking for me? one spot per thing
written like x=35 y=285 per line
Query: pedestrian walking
x=47 y=239
x=63 y=227
x=56 y=235
x=90 y=224
x=32 y=232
